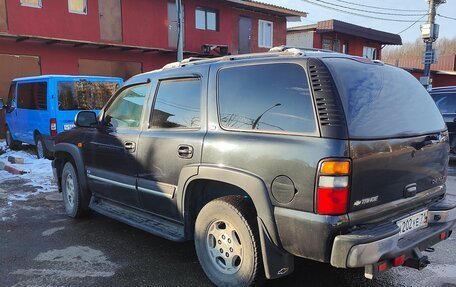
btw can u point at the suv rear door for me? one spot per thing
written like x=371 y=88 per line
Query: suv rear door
x=398 y=140
x=172 y=138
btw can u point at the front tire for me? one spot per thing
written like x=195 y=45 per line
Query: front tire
x=71 y=192
x=10 y=142
x=227 y=242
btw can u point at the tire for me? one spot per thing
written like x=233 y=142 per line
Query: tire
x=10 y=142
x=227 y=242
x=71 y=191
x=41 y=150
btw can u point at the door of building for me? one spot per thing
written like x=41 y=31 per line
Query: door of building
x=245 y=35
x=110 y=13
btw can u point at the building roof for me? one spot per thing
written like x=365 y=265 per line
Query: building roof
x=353 y=30
x=258 y=6
x=45 y=77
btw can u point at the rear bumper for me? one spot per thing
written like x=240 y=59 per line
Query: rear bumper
x=372 y=244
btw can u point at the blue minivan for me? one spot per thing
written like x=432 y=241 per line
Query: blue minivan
x=40 y=107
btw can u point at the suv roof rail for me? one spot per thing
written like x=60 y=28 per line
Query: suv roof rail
x=197 y=61
x=292 y=49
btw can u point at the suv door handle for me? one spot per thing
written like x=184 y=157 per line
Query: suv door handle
x=130 y=146
x=185 y=151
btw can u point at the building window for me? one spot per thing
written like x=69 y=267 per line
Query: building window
x=32 y=3
x=370 y=53
x=327 y=44
x=206 y=19
x=265 y=34
x=77 y=6
x=345 y=48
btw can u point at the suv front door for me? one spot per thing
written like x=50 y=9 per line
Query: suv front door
x=172 y=141
x=110 y=155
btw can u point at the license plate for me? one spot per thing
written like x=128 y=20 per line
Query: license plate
x=68 y=127
x=418 y=220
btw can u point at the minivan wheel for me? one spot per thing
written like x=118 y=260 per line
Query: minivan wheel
x=227 y=242
x=41 y=150
x=71 y=192
x=12 y=144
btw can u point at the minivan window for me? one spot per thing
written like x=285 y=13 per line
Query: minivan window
x=126 y=109
x=32 y=96
x=382 y=101
x=11 y=95
x=84 y=95
x=267 y=97
x=446 y=102
x=177 y=104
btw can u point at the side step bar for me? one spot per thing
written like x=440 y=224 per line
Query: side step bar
x=153 y=224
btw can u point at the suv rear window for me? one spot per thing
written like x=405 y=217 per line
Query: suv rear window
x=84 y=95
x=445 y=101
x=382 y=101
x=267 y=97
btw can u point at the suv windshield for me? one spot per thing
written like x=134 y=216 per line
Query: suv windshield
x=446 y=102
x=85 y=95
x=382 y=101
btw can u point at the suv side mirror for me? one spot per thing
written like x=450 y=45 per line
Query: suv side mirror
x=85 y=119
x=2 y=105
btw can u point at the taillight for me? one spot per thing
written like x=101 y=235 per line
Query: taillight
x=53 y=127
x=333 y=187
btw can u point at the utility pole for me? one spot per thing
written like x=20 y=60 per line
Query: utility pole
x=430 y=33
x=180 y=34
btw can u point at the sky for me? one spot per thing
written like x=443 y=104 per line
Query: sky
x=316 y=13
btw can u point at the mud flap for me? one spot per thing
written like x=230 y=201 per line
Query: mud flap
x=277 y=263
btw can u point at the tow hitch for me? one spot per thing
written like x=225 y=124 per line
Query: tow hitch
x=417 y=261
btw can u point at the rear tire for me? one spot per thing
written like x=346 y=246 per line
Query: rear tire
x=10 y=142
x=41 y=150
x=71 y=191
x=227 y=242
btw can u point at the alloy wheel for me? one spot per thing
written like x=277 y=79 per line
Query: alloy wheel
x=224 y=247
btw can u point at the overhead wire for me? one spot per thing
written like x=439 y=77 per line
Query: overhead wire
x=369 y=11
x=358 y=14
x=413 y=24
x=381 y=8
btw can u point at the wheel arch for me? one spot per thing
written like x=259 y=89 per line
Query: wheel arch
x=209 y=179
x=65 y=152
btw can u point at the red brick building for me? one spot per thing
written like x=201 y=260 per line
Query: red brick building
x=342 y=37
x=126 y=37
x=443 y=73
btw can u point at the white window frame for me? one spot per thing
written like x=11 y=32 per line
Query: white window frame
x=261 y=43
x=370 y=53
x=78 y=12
x=40 y=4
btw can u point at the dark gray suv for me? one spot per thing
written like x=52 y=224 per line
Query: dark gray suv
x=260 y=158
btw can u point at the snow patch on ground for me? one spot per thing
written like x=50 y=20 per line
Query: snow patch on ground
x=65 y=264
x=51 y=231
x=39 y=172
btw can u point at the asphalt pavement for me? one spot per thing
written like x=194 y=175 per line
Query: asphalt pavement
x=41 y=246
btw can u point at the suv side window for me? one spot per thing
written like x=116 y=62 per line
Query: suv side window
x=32 y=96
x=266 y=97
x=126 y=109
x=177 y=104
